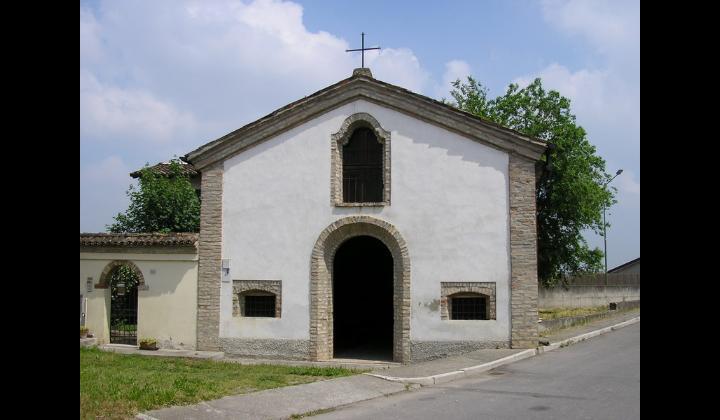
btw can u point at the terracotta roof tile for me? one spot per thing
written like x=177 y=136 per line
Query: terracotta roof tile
x=163 y=168
x=183 y=239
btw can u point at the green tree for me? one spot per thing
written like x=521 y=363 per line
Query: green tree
x=162 y=203
x=571 y=192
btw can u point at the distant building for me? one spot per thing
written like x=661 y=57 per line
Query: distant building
x=630 y=267
x=163 y=168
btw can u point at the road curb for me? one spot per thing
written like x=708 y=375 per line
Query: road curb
x=459 y=373
x=411 y=383
x=591 y=334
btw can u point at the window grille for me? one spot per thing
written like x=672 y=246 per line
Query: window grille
x=468 y=308
x=259 y=306
x=363 y=168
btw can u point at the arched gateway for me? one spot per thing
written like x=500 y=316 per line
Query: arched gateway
x=123 y=299
x=321 y=277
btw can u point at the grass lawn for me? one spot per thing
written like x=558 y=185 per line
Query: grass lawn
x=554 y=313
x=119 y=386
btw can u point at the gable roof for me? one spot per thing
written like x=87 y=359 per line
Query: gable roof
x=629 y=263
x=163 y=168
x=361 y=85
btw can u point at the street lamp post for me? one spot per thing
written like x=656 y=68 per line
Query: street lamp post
x=619 y=171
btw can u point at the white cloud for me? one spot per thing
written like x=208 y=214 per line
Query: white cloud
x=110 y=170
x=398 y=66
x=90 y=44
x=227 y=62
x=598 y=96
x=454 y=70
x=131 y=114
x=611 y=26
x=164 y=77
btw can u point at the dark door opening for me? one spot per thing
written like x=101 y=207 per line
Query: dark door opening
x=363 y=300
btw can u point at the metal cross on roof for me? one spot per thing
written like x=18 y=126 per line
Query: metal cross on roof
x=363 y=49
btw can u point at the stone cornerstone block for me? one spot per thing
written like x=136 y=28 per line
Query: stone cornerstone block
x=523 y=253
x=209 y=255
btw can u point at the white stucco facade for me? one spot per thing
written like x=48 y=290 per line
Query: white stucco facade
x=449 y=202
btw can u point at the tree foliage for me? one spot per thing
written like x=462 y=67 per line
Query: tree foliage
x=161 y=203
x=125 y=275
x=572 y=191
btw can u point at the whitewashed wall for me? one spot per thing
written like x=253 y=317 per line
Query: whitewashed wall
x=167 y=311
x=448 y=200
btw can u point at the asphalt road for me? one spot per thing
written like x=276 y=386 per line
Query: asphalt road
x=595 y=379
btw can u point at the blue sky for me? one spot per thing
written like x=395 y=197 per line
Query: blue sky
x=160 y=78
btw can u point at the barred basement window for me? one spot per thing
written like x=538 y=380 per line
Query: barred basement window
x=468 y=307
x=452 y=305
x=257 y=298
x=259 y=305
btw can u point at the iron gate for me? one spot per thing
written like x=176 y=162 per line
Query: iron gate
x=123 y=317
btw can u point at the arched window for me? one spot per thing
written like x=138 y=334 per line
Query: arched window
x=363 y=168
x=360 y=161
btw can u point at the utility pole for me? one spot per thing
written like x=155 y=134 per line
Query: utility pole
x=619 y=171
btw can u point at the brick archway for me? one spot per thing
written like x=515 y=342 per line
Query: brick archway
x=321 y=319
x=104 y=281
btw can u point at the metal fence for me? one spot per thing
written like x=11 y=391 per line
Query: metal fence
x=123 y=317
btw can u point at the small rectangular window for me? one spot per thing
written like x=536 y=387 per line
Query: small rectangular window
x=468 y=308
x=259 y=306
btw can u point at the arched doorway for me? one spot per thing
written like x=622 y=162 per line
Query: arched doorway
x=321 y=283
x=362 y=288
x=123 y=279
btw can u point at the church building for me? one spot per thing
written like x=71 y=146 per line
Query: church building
x=366 y=219
x=362 y=221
